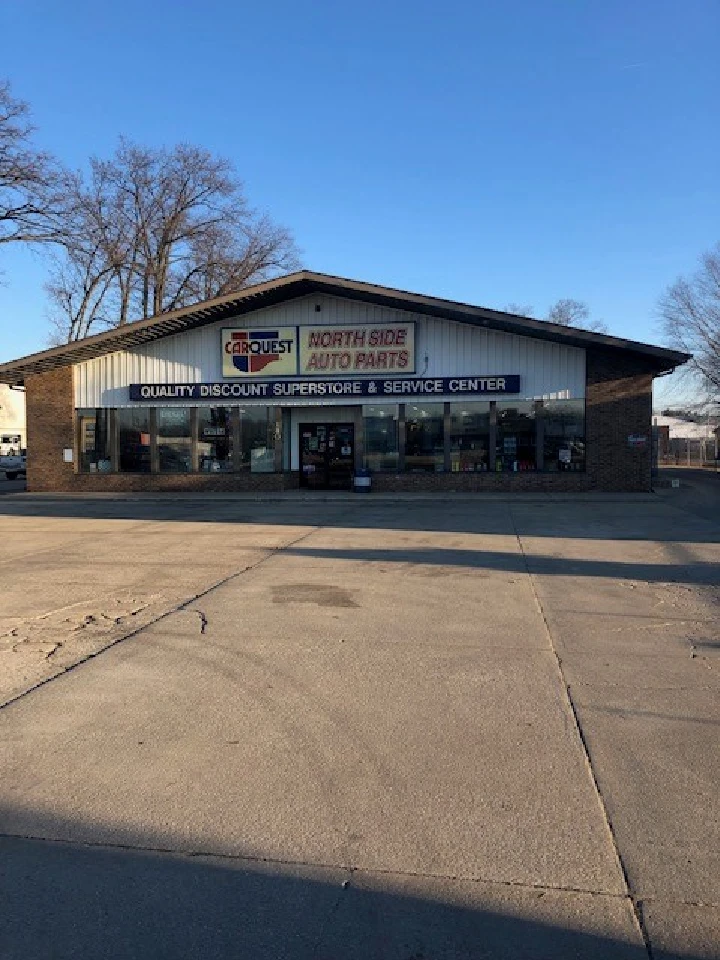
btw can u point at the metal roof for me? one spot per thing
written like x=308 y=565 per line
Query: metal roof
x=302 y=284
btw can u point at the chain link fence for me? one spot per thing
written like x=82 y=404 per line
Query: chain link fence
x=688 y=452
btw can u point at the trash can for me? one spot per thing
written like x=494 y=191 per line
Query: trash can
x=362 y=481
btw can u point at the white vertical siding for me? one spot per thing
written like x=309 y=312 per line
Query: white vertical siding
x=443 y=348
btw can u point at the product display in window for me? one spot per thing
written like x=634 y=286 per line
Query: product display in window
x=516 y=443
x=424 y=438
x=564 y=435
x=215 y=440
x=174 y=440
x=381 y=437
x=469 y=437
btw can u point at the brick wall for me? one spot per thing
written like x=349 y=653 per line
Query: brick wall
x=479 y=482
x=173 y=482
x=619 y=404
x=50 y=414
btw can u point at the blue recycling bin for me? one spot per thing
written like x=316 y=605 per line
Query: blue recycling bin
x=362 y=481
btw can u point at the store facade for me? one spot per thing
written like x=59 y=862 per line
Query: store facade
x=307 y=380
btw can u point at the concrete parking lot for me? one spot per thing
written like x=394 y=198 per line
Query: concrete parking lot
x=357 y=728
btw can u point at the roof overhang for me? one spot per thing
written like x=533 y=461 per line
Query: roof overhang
x=305 y=283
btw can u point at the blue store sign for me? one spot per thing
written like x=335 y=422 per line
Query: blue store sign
x=273 y=391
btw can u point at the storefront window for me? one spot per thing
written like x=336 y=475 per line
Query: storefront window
x=469 y=436
x=215 y=441
x=95 y=455
x=134 y=439
x=516 y=436
x=257 y=439
x=381 y=437
x=174 y=440
x=424 y=432
x=564 y=435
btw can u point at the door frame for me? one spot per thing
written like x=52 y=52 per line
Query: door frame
x=313 y=426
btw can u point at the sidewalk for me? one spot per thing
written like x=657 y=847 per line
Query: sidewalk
x=342 y=496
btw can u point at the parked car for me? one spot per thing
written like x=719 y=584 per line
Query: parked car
x=14 y=467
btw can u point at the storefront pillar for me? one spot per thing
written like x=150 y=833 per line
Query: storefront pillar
x=154 y=455
x=114 y=442
x=402 y=435
x=447 y=445
x=278 y=440
x=359 y=424
x=539 y=436
x=492 y=438
x=235 y=433
x=194 y=449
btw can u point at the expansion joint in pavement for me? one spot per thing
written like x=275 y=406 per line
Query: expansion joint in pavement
x=575 y=718
x=350 y=869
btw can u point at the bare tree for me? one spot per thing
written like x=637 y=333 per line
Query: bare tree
x=574 y=313
x=690 y=311
x=78 y=294
x=28 y=177
x=566 y=312
x=154 y=230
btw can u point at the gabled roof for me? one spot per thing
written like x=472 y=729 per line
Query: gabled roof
x=302 y=284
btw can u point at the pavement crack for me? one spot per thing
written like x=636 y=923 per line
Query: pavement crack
x=709 y=904
x=203 y=621
x=350 y=870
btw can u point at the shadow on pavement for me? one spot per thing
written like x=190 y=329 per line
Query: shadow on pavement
x=655 y=520
x=63 y=900
x=698 y=573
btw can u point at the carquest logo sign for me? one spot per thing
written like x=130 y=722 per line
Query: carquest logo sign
x=271 y=352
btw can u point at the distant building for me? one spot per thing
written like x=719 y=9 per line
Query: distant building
x=12 y=420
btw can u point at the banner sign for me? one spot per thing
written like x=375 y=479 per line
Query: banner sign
x=376 y=348
x=269 y=352
x=274 y=391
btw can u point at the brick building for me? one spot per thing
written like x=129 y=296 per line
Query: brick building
x=309 y=379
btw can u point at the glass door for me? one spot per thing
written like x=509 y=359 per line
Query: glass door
x=341 y=455
x=327 y=455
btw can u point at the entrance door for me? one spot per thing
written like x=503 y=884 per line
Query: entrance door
x=327 y=455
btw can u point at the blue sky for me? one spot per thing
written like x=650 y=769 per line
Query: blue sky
x=492 y=152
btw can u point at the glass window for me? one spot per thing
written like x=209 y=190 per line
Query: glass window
x=215 y=440
x=257 y=439
x=516 y=436
x=564 y=435
x=381 y=437
x=469 y=436
x=95 y=455
x=174 y=440
x=133 y=427
x=424 y=432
